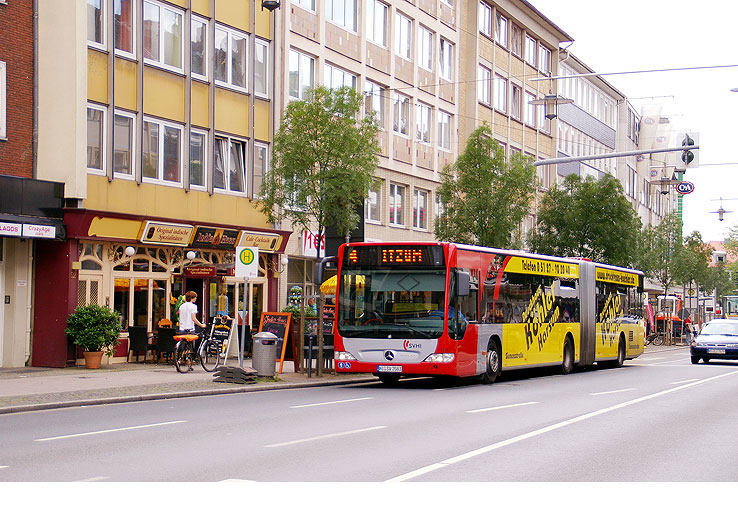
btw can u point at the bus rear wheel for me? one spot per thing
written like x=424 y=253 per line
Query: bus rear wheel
x=493 y=363
x=567 y=362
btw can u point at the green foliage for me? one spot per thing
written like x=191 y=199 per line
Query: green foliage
x=94 y=328
x=484 y=197
x=295 y=310
x=657 y=250
x=323 y=162
x=588 y=219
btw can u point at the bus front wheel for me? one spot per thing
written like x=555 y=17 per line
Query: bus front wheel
x=493 y=363
x=389 y=380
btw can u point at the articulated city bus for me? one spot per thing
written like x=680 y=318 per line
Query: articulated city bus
x=437 y=309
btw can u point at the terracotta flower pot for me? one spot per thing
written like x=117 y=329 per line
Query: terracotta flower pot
x=92 y=359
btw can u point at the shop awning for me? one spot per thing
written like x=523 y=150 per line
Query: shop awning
x=329 y=285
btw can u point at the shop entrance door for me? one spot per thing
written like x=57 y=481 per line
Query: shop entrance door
x=89 y=290
x=197 y=285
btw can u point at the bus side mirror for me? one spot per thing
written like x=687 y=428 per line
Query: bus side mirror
x=462 y=283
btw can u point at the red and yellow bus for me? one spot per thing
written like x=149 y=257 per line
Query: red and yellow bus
x=432 y=309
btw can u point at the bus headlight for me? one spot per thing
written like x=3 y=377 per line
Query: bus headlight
x=343 y=356
x=439 y=358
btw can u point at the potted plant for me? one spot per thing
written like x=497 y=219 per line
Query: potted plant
x=95 y=329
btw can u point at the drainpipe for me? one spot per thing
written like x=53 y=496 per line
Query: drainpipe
x=34 y=174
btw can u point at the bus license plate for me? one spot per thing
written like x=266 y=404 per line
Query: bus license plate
x=715 y=351
x=389 y=369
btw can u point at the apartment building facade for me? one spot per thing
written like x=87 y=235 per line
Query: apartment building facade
x=157 y=117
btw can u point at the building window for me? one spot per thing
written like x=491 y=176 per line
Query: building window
x=531 y=45
x=447 y=60
x=199 y=48
x=95 y=132
x=444 y=130
x=403 y=34
x=439 y=209
x=124 y=14
x=501 y=29
x=500 y=91
x=261 y=166
x=302 y=74
x=544 y=60
x=162 y=33
x=425 y=48
x=516 y=107
x=229 y=172
x=231 y=53
x=544 y=123
x=123 y=144
x=335 y=78
x=485 y=19
x=306 y=4
x=374 y=101
x=376 y=22
x=342 y=12
x=261 y=68
x=396 y=205
x=422 y=126
x=516 y=40
x=530 y=110
x=162 y=152
x=373 y=203
x=96 y=23
x=484 y=77
x=420 y=209
x=401 y=115
x=198 y=159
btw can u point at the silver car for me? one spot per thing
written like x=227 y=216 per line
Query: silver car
x=718 y=339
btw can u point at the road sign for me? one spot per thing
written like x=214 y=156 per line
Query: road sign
x=247 y=262
x=685 y=187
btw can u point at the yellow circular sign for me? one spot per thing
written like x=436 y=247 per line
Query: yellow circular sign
x=246 y=256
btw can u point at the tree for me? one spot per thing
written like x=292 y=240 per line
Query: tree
x=323 y=162
x=484 y=197
x=587 y=219
x=692 y=263
x=658 y=255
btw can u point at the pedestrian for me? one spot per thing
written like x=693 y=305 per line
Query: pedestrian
x=312 y=305
x=188 y=314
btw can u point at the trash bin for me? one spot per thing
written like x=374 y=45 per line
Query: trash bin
x=264 y=356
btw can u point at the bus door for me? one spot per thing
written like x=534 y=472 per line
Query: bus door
x=463 y=317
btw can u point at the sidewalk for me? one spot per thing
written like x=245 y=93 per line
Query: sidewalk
x=32 y=388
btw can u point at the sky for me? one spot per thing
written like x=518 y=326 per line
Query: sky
x=632 y=35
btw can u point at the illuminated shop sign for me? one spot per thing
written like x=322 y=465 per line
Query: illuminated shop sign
x=266 y=242
x=214 y=238
x=166 y=234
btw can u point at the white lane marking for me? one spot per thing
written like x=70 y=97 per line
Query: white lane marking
x=501 y=407
x=330 y=403
x=3 y=467
x=326 y=436
x=110 y=430
x=684 y=381
x=94 y=479
x=540 y=431
x=610 y=392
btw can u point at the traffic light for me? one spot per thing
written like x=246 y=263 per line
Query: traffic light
x=688 y=158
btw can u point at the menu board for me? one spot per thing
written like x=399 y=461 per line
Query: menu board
x=279 y=325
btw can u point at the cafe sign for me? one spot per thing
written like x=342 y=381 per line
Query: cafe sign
x=266 y=242
x=214 y=238
x=166 y=233
x=203 y=271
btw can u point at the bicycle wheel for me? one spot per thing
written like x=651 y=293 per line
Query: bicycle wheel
x=658 y=340
x=210 y=355
x=183 y=356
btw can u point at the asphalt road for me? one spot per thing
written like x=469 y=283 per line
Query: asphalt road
x=659 y=418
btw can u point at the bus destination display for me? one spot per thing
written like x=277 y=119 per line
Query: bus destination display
x=395 y=256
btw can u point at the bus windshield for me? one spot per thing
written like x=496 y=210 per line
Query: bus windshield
x=386 y=302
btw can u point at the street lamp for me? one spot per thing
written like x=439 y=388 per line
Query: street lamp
x=551 y=104
x=269 y=5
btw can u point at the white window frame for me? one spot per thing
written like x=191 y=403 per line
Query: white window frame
x=343 y=17
x=444 y=131
x=333 y=74
x=544 y=123
x=231 y=34
x=101 y=45
x=417 y=194
x=484 y=85
x=425 y=48
x=132 y=117
x=446 y=60
x=529 y=110
x=159 y=179
x=396 y=192
x=206 y=48
x=499 y=90
x=501 y=34
x=438 y=207
x=263 y=45
x=227 y=166
x=205 y=159
x=301 y=60
x=260 y=146
x=161 y=63
x=376 y=16
x=544 y=60
x=134 y=18
x=485 y=19
x=403 y=36
x=401 y=104
x=373 y=202
x=90 y=106
x=517 y=49
x=516 y=113
x=3 y=100
x=423 y=115
x=374 y=99
x=306 y=4
x=531 y=49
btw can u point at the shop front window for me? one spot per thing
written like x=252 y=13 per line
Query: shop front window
x=121 y=300
x=140 y=302
x=159 y=302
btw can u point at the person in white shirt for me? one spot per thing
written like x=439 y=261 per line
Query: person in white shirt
x=188 y=314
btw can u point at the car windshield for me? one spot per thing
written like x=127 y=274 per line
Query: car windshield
x=391 y=302
x=721 y=328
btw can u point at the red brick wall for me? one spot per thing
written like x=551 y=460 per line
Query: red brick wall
x=16 y=50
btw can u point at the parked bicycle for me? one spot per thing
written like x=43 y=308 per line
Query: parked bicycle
x=214 y=346
x=185 y=351
x=655 y=338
